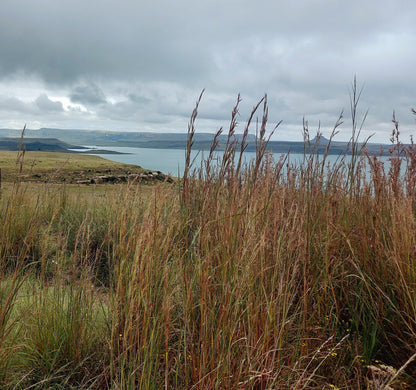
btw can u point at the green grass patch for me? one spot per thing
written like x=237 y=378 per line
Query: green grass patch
x=58 y=167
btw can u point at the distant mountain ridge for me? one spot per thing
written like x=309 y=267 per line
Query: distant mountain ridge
x=202 y=141
x=34 y=144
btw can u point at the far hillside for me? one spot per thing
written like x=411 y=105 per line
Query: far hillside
x=202 y=141
x=35 y=144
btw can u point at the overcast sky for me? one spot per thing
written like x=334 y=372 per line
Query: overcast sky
x=140 y=65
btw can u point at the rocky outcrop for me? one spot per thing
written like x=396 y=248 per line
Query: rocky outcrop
x=147 y=176
x=94 y=176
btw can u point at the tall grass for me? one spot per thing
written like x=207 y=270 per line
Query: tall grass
x=261 y=275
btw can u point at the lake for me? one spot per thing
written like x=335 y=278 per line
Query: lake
x=172 y=161
x=168 y=161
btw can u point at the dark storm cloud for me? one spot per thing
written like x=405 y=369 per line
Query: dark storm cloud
x=183 y=40
x=67 y=41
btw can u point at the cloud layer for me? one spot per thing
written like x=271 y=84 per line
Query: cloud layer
x=141 y=65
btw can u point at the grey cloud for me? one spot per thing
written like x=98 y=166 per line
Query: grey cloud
x=124 y=110
x=87 y=94
x=138 y=98
x=73 y=41
x=41 y=106
x=47 y=105
x=146 y=62
x=174 y=40
x=130 y=111
x=15 y=105
x=15 y=111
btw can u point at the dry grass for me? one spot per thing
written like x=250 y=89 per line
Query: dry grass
x=265 y=276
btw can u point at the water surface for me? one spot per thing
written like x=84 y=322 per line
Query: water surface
x=172 y=161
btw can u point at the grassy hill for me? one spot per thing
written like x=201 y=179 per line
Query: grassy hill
x=68 y=168
x=31 y=144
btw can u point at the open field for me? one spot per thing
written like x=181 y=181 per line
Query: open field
x=69 y=168
x=254 y=278
x=49 y=161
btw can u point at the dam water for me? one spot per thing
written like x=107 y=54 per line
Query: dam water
x=172 y=161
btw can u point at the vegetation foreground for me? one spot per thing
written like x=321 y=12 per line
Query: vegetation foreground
x=263 y=276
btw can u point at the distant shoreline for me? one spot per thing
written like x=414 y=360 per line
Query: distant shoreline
x=65 y=139
x=95 y=151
